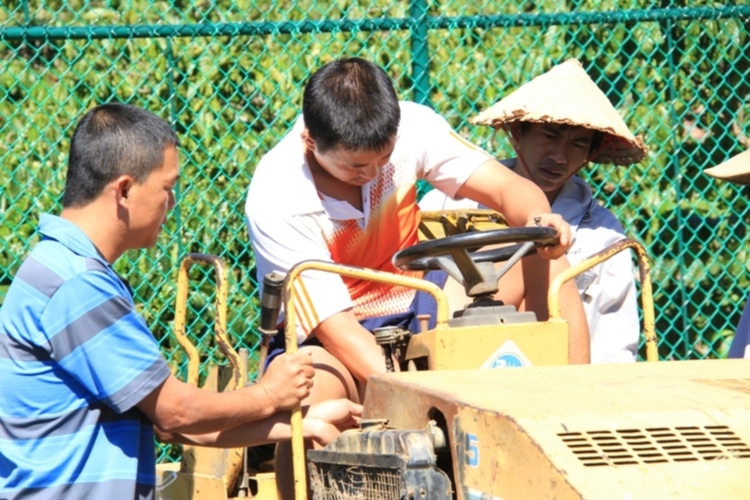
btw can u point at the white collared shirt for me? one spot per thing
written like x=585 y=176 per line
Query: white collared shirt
x=289 y=221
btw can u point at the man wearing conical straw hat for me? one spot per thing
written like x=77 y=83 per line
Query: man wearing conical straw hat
x=557 y=123
x=737 y=170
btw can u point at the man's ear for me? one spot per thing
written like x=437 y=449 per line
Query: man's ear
x=122 y=187
x=513 y=130
x=309 y=142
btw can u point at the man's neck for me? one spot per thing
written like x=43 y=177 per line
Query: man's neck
x=552 y=195
x=92 y=220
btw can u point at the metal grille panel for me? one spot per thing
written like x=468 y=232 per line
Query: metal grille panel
x=346 y=482
x=655 y=445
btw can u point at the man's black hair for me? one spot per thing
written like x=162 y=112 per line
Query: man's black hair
x=596 y=141
x=351 y=104
x=113 y=140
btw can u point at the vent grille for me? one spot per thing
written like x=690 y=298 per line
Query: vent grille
x=655 y=445
x=338 y=481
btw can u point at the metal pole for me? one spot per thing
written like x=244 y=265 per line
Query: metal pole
x=419 y=52
x=677 y=186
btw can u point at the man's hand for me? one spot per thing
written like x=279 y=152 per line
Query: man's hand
x=325 y=421
x=288 y=380
x=563 y=230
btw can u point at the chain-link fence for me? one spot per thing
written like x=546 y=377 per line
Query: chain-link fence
x=229 y=76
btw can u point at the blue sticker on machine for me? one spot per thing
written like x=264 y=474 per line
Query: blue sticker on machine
x=473 y=494
x=507 y=360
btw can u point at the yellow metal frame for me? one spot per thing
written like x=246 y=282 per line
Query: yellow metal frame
x=647 y=297
x=220 y=325
x=239 y=368
x=442 y=223
x=294 y=290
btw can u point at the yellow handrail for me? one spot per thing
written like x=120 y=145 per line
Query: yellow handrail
x=647 y=298
x=239 y=370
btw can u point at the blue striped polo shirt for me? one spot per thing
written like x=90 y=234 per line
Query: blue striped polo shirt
x=75 y=360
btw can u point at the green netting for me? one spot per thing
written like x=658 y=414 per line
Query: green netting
x=229 y=75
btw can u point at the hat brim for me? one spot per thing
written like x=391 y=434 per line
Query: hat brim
x=566 y=95
x=735 y=169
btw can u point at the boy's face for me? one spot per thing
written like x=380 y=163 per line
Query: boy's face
x=151 y=200
x=553 y=153
x=353 y=167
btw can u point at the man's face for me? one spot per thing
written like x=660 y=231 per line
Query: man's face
x=553 y=153
x=150 y=201
x=353 y=167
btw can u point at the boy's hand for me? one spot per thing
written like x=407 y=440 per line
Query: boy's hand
x=325 y=421
x=563 y=230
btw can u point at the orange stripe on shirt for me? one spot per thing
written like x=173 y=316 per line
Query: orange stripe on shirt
x=393 y=225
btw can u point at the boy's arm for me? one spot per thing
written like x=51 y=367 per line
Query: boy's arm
x=343 y=336
x=518 y=199
x=322 y=422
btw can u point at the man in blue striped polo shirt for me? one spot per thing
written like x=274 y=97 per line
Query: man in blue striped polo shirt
x=82 y=381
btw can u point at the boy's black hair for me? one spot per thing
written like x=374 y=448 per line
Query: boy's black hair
x=351 y=104
x=113 y=140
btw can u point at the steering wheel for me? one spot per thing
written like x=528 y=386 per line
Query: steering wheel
x=475 y=270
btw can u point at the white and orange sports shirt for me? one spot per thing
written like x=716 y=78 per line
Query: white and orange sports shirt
x=289 y=221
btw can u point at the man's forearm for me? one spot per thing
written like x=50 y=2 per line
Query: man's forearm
x=181 y=408
x=521 y=199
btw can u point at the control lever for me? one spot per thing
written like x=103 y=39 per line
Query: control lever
x=270 y=306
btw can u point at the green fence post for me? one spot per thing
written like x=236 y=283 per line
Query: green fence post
x=677 y=184
x=171 y=67
x=419 y=50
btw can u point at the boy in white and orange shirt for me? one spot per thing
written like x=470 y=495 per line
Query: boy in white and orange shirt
x=341 y=187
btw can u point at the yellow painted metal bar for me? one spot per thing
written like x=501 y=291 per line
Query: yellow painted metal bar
x=291 y=296
x=239 y=369
x=179 y=322
x=290 y=334
x=239 y=375
x=647 y=297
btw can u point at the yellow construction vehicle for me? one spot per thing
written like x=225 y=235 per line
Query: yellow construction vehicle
x=412 y=443
x=629 y=431
x=645 y=430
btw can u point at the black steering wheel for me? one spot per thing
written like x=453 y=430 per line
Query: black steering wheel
x=454 y=254
x=416 y=257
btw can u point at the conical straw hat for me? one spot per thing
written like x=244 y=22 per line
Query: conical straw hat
x=566 y=95
x=735 y=169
